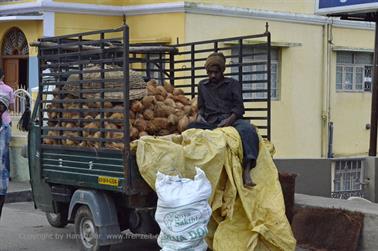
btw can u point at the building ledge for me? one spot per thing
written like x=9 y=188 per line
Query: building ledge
x=273 y=44
x=19 y=18
x=354 y=49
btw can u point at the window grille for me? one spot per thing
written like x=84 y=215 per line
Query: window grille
x=347 y=177
x=15 y=43
x=255 y=55
x=354 y=71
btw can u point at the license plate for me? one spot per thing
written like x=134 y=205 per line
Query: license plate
x=103 y=180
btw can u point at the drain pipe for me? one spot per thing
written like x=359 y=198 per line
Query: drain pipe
x=323 y=95
x=330 y=140
x=329 y=96
x=327 y=124
x=325 y=90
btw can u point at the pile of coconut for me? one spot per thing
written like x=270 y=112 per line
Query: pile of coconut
x=162 y=110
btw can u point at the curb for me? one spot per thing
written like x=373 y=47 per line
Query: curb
x=19 y=196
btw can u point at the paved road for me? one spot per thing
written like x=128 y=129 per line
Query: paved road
x=22 y=228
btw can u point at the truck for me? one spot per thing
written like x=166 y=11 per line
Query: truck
x=97 y=188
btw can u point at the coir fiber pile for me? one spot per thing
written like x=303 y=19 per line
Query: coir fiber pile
x=327 y=229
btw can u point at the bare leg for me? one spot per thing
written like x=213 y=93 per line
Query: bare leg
x=247 y=179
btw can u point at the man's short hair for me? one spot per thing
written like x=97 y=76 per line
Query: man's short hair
x=1 y=73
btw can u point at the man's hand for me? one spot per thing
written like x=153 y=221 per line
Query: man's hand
x=228 y=121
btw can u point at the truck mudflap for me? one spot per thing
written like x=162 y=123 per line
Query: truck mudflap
x=103 y=211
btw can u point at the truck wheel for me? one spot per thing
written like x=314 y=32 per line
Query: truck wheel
x=87 y=230
x=58 y=220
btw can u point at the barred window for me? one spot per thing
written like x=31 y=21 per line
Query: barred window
x=258 y=55
x=347 y=177
x=353 y=71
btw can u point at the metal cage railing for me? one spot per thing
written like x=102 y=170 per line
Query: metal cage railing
x=182 y=65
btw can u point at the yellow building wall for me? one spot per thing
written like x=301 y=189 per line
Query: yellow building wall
x=350 y=111
x=157 y=27
x=296 y=116
x=75 y=23
x=144 y=28
x=32 y=30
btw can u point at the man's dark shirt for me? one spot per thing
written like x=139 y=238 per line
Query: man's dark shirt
x=218 y=101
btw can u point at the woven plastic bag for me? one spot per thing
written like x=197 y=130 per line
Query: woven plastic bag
x=183 y=211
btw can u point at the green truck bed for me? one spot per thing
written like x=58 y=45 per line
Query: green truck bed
x=100 y=170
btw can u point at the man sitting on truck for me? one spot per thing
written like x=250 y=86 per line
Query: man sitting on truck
x=220 y=104
x=4 y=172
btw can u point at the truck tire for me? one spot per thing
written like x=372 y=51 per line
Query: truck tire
x=58 y=220
x=86 y=229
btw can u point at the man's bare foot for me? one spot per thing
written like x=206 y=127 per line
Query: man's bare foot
x=247 y=179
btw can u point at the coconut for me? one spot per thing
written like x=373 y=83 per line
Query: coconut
x=148 y=101
x=160 y=123
x=173 y=119
x=151 y=128
x=195 y=104
x=151 y=87
x=183 y=124
x=117 y=116
x=179 y=105
x=148 y=114
x=152 y=82
x=161 y=91
x=177 y=92
x=168 y=87
x=136 y=106
x=159 y=98
x=170 y=102
x=182 y=99
x=132 y=114
x=134 y=133
x=141 y=134
x=140 y=124
x=188 y=109
x=108 y=104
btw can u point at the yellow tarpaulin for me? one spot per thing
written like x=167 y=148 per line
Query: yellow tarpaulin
x=243 y=219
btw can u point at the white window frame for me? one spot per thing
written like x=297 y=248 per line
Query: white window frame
x=354 y=66
x=347 y=177
x=275 y=86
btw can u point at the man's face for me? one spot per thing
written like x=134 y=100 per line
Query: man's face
x=215 y=74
